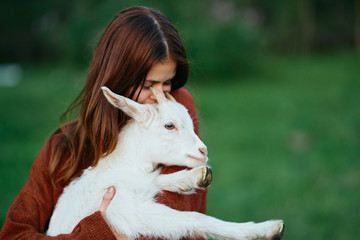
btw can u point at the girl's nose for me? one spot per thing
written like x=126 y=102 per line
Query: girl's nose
x=159 y=87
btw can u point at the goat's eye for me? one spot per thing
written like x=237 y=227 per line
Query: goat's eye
x=169 y=126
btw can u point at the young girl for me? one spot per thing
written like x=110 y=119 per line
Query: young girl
x=139 y=49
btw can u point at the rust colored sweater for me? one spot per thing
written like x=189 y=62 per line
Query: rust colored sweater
x=29 y=215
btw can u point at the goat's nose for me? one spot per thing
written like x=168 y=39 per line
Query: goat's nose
x=203 y=151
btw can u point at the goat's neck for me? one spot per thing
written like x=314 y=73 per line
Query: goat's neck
x=132 y=148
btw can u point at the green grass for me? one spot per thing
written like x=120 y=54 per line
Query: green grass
x=284 y=143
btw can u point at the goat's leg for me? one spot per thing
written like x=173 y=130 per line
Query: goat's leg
x=185 y=181
x=158 y=220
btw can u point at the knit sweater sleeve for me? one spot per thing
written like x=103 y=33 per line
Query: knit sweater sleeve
x=29 y=215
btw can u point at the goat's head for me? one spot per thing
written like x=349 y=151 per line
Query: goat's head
x=167 y=128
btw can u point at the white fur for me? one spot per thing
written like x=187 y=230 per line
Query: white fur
x=145 y=143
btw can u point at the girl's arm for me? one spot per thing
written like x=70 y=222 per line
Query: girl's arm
x=29 y=215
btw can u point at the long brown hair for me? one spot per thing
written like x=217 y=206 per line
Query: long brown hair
x=134 y=40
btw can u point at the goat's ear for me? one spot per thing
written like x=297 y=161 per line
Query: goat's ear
x=160 y=97
x=140 y=112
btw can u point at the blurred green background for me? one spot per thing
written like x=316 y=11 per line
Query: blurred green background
x=276 y=85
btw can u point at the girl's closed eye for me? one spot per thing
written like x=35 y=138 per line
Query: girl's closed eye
x=147 y=85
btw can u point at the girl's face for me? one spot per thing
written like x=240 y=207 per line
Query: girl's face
x=159 y=77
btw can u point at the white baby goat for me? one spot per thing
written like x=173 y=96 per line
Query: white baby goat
x=157 y=134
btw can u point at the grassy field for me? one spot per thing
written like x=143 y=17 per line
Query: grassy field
x=283 y=143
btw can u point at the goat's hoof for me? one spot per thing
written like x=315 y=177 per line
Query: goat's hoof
x=206 y=178
x=186 y=190
x=280 y=234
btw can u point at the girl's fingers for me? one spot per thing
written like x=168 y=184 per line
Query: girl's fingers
x=107 y=199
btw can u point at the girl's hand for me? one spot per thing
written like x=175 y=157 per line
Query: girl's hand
x=105 y=203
